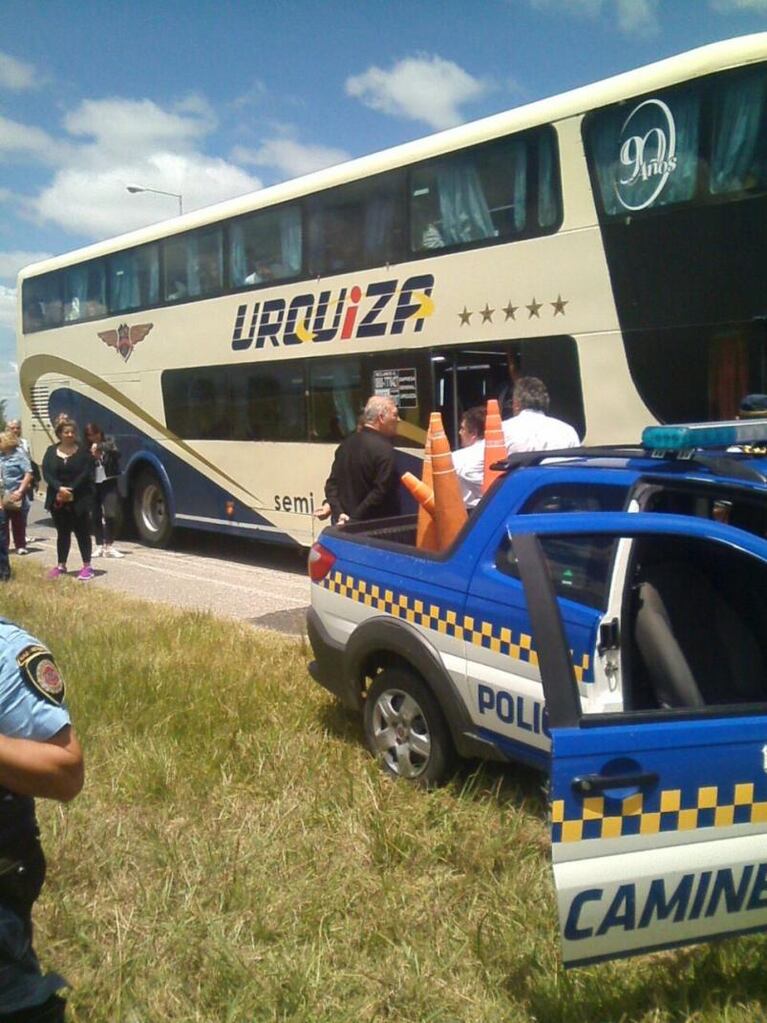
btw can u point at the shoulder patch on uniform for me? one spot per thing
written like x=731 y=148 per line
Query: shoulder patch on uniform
x=39 y=671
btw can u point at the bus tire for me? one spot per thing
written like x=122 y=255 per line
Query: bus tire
x=150 y=510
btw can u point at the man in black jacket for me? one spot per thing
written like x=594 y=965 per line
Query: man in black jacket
x=364 y=482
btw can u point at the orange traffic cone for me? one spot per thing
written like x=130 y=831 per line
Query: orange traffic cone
x=450 y=514
x=423 y=494
x=495 y=446
x=426 y=538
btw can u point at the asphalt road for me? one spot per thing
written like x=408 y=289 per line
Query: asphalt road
x=265 y=585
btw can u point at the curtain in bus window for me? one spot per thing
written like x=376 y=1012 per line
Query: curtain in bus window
x=645 y=152
x=463 y=208
x=176 y=270
x=149 y=274
x=237 y=253
x=84 y=291
x=134 y=279
x=265 y=247
x=290 y=241
x=192 y=266
x=727 y=375
x=123 y=282
x=209 y=262
x=548 y=191
x=75 y=292
x=519 y=198
x=336 y=397
x=738 y=139
x=379 y=229
x=276 y=408
x=42 y=303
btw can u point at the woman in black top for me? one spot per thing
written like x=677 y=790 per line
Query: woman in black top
x=105 y=459
x=67 y=469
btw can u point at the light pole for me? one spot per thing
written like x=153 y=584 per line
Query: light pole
x=158 y=191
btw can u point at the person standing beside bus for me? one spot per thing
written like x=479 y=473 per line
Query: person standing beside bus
x=106 y=469
x=364 y=482
x=16 y=474
x=14 y=425
x=40 y=757
x=68 y=472
x=469 y=459
x=531 y=428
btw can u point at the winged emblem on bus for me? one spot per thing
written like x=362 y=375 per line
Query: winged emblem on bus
x=125 y=338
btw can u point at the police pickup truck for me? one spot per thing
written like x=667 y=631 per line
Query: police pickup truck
x=602 y=616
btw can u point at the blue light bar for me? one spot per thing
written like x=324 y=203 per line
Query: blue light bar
x=688 y=436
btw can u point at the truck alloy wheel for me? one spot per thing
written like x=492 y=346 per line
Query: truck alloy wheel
x=405 y=729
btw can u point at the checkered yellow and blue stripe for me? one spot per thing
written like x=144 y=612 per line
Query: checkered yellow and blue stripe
x=709 y=806
x=444 y=620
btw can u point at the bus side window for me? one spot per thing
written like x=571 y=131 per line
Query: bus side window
x=482 y=193
x=265 y=247
x=134 y=278
x=357 y=225
x=85 y=291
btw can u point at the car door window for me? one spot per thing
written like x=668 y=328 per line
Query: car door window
x=579 y=566
x=695 y=625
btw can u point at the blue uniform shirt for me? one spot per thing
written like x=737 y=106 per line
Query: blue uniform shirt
x=31 y=707
x=31 y=688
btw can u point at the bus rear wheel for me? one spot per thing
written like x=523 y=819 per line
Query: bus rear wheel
x=150 y=510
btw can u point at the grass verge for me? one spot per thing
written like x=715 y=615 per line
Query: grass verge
x=236 y=855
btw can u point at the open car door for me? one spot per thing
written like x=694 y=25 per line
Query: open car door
x=659 y=810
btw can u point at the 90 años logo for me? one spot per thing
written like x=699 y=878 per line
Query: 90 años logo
x=647 y=159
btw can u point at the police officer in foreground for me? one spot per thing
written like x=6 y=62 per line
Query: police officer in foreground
x=39 y=757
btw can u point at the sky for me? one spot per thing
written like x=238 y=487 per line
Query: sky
x=215 y=98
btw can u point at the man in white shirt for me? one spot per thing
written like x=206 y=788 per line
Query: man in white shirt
x=469 y=460
x=530 y=428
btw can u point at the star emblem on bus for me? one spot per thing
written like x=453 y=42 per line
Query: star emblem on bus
x=125 y=338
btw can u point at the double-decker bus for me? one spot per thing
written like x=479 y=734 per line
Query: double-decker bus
x=610 y=241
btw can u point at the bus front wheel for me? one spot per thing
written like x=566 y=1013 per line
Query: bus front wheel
x=150 y=510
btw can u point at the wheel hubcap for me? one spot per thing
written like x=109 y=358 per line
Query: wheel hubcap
x=153 y=508
x=401 y=734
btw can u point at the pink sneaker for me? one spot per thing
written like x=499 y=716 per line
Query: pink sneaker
x=56 y=571
x=85 y=573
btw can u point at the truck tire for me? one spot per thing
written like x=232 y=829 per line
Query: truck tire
x=150 y=510
x=406 y=730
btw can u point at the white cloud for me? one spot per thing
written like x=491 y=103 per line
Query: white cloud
x=638 y=17
x=136 y=142
x=12 y=262
x=580 y=8
x=22 y=140
x=253 y=96
x=633 y=17
x=290 y=157
x=421 y=88
x=7 y=306
x=738 y=6
x=93 y=200
x=17 y=74
x=120 y=126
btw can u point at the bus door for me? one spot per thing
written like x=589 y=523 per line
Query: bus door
x=659 y=811
x=467 y=375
